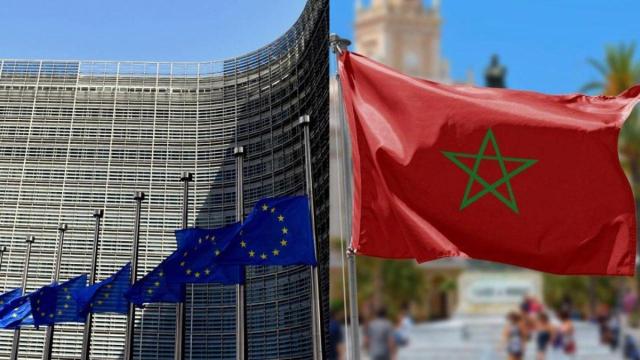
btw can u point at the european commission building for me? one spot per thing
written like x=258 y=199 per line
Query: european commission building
x=76 y=136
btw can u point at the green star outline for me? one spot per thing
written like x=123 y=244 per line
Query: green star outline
x=489 y=188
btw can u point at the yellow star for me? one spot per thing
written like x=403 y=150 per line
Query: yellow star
x=263 y=256
x=188 y=271
x=99 y=302
x=91 y=305
x=276 y=252
x=66 y=306
x=109 y=286
x=280 y=218
x=185 y=254
x=161 y=274
x=217 y=252
x=283 y=242
x=207 y=271
x=265 y=207
x=252 y=253
x=273 y=210
x=106 y=295
x=200 y=241
x=157 y=283
x=197 y=274
x=59 y=312
x=38 y=308
x=243 y=244
x=38 y=301
x=51 y=316
x=65 y=289
x=285 y=230
x=68 y=297
x=213 y=238
x=42 y=314
x=182 y=263
x=150 y=291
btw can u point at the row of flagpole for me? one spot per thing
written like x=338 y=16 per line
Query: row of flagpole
x=241 y=333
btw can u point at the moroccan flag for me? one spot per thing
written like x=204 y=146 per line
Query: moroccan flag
x=509 y=176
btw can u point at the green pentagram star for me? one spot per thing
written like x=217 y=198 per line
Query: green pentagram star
x=474 y=176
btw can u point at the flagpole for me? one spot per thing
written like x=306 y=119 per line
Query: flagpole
x=186 y=178
x=241 y=331
x=86 y=337
x=138 y=196
x=316 y=318
x=338 y=45
x=48 y=344
x=25 y=272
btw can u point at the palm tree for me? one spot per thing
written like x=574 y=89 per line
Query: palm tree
x=619 y=72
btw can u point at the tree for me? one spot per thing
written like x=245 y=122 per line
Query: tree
x=619 y=71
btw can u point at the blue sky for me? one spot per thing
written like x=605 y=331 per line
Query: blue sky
x=544 y=43
x=159 y=30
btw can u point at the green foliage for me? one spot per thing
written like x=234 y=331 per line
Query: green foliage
x=619 y=71
x=399 y=281
x=578 y=288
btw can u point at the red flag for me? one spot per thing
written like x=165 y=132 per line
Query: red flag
x=509 y=176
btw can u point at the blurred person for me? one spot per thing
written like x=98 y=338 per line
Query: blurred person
x=404 y=326
x=514 y=336
x=336 y=336
x=602 y=318
x=566 y=334
x=631 y=349
x=629 y=301
x=379 y=337
x=614 y=328
x=544 y=333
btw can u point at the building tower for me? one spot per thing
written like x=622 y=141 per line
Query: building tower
x=402 y=34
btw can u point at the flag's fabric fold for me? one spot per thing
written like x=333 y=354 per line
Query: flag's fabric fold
x=107 y=296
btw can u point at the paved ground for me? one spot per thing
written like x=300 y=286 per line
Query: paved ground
x=479 y=338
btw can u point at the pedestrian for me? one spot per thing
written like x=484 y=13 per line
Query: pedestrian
x=336 y=336
x=566 y=334
x=514 y=336
x=544 y=334
x=404 y=326
x=379 y=337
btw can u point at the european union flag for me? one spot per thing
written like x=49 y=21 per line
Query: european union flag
x=16 y=312
x=55 y=303
x=8 y=296
x=194 y=261
x=154 y=288
x=277 y=232
x=106 y=296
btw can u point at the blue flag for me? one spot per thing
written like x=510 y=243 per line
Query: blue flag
x=55 y=303
x=6 y=298
x=277 y=232
x=154 y=288
x=194 y=261
x=106 y=296
x=16 y=312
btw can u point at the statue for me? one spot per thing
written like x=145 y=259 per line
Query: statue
x=495 y=74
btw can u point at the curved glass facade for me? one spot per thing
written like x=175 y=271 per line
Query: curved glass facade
x=78 y=136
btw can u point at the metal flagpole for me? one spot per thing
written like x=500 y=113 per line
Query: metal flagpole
x=25 y=272
x=241 y=331
x=2 y=250
x=338 y=45
x=180 y=309
x=315 y=282
x=48 y=344
x=86 y=337
x=138 y=196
